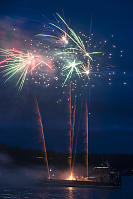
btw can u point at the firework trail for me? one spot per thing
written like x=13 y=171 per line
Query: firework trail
x=18 y=62
x=74 y=158
x=42 y=134
x=73 y=125
x=70 y=129
x=86 y=123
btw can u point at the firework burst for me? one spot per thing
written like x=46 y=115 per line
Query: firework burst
x=72 y=67
x=17 y=62
x=69 y=34
x=74 y=47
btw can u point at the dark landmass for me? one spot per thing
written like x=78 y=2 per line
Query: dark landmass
x=32 y=157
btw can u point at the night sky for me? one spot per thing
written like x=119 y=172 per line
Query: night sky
x=111 y=107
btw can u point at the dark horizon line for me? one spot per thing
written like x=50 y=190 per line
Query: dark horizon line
x=3 y=145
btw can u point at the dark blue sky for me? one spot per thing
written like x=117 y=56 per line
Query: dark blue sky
x=111 y=120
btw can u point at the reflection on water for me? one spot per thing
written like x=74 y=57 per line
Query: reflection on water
x=126 y=192
x=70 y=192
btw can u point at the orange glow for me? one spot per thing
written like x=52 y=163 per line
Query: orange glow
x=71 y=177
x=64 y=39
x=86 y=70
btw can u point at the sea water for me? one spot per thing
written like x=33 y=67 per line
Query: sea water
x=45 y=192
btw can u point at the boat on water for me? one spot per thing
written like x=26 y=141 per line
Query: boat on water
x=104 y=177
x=80 y=183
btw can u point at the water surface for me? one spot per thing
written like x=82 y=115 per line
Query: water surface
x=125 y=192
